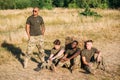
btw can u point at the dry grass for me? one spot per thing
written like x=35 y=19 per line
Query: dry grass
x=60 y=23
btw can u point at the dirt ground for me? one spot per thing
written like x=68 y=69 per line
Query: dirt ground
x=14 y=69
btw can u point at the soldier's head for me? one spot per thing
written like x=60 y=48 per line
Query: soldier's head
x=88 y=44
x=57 y=44
x=74 y=44
x=35 y=11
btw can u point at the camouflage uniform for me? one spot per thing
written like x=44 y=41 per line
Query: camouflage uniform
x=36 y=37
x=91 y=58
x=56 y=60
x=73 y=63
x=37 y=41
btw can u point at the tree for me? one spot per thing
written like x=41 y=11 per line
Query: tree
x=114 y=3
x=73 y=4
x=66 y=3
x=20 y=4
x=7 y=4
x=58 y=3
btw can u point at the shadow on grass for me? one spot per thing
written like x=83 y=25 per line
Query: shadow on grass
x=15 y=51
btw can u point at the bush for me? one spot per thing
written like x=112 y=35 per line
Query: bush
x=58 y=3
x=34 y=3
x=81 y=3
x=47 y=4
x=7 y=4
x=88 y=12
x=20 y=4
x=73 y=4
x=103 y=6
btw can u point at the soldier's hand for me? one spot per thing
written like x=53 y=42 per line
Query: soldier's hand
x=28 y=37
x=50 y=59
x=43 y=33
x=62 y=60
x=90 y=64
x=66 y=59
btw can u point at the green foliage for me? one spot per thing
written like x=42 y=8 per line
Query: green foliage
x=104 y=4
x=48 y=4
x=73 y=4
x=58 y=3
x=35 y=3
x=45 y=4
x=66 y=3
x=81 y=3
x=88 y=12
x=20 y=4
x=7 y=4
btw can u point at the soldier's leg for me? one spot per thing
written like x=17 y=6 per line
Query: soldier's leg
x=81 y=63
x=65 y=64
x=75 y=63
x=90 y=69
x=52 y=67
x=41 y=55
x=40 y=46
x=101 y=64
x=30 y=47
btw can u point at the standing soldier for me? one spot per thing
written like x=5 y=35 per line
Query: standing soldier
x=35 y=31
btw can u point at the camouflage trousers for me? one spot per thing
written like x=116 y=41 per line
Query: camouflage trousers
x=72 y=64
x=36 y=41
x=95 y=65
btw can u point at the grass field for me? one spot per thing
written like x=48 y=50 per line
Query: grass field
x=60 y=23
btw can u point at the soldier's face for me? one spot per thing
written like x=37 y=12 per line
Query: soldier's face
x=57 y=46
x=74 y=45
x=35 y=11
x=89 y=45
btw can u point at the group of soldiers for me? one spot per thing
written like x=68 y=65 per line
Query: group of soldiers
x=89 y=57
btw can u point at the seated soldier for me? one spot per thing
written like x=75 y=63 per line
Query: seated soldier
x=72 y=63
x=57 y=53
x=91 y=57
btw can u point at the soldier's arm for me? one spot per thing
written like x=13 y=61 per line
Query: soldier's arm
x=64 y=58
x=84 y=61
x=43 y=29
x=27 y=28
x=75 y=55
x=59 y=54
x=51 y=55
x=99 y=56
